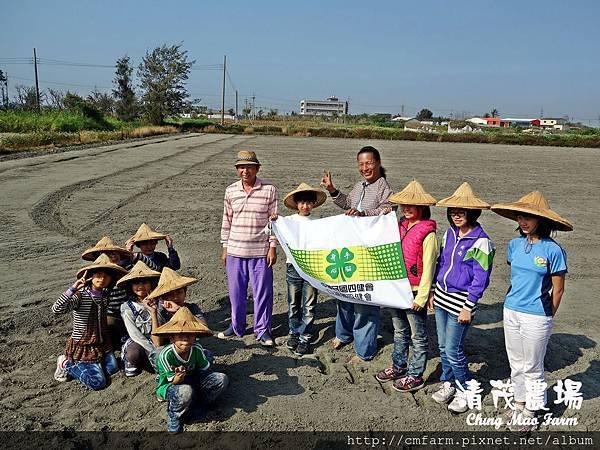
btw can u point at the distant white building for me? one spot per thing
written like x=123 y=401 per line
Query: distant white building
x=477 y=121
x=327 y=107
x=218 y=116
x=559 y=124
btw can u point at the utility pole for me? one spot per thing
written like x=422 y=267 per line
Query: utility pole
x=402 y=109
x=253 y=110
x=37 y=86
x=4 y=87
x=542 y=113
x=236 y=104
x=223 y=91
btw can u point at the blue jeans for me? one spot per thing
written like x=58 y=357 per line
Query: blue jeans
x=451 y=339
x=94 y=375
x=201 y=386
x=358 y=322
x=302 y=300
x=410 y=326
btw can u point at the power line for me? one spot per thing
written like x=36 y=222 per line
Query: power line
x=58 y=62
x=62 y=84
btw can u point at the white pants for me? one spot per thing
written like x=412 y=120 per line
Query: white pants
x=526 y=337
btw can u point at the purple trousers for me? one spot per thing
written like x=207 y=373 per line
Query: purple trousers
x=239 y=272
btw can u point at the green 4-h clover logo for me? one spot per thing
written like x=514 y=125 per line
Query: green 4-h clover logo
x=340 y=264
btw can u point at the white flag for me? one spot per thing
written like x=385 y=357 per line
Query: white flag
x=356 y=259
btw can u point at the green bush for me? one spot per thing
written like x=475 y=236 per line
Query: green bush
x=76 y=119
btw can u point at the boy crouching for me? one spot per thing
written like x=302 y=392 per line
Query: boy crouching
x=184 y=378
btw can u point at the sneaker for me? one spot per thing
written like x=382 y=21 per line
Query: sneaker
x=507 y=415
x=408 y=384
x=266 y=340
x=526 y=422
x=61 y=374
x=445 y=393
x=459 y=402
x=302 y=348
x=130 y=369
x=390 y=374
x=293 y=342
x=228 y=333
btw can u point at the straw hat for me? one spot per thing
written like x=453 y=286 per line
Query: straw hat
x=288 y=200
x=413 y=194
x=145 y=233
x=170 y=281
x=105 y=244
x=183 y=321
x=103 y=262
x=138 y=272
x=246 y=157
x=463 y=197
x=535 y=204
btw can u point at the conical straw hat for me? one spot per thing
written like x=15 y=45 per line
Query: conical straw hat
x=413 y=194
x=139 y=271
x=463 y=197
x=105 y=244
x=170 y=281
x=103 y=262
x=535 y=204
x=288 y=200
x=183 y=321
x=145 y=233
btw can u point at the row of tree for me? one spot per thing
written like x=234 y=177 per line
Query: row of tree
x=161 y=91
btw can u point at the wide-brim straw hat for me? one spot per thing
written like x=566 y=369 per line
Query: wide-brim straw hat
x=535 y=204
x=183 y=321
x=138 y=272
x=103 y=262
x=145 y=233
x=246 y=157
x=288 y=200
x=463 y=197
x=105 y=244
x=170 y=281
x=413 y=194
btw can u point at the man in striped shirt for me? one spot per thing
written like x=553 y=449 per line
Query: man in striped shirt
x=248 y=253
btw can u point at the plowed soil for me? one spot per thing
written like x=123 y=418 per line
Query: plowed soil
x=54 y=206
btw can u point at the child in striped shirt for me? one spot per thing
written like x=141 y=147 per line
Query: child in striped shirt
x=88 y=354
x=146 y=240
x=122 y=257
x=462 y=275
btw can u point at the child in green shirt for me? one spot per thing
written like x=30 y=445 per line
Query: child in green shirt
x=184 y=377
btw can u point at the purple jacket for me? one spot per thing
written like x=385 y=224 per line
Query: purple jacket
x=465 y=264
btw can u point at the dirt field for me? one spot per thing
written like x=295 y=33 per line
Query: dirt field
x=54 y=206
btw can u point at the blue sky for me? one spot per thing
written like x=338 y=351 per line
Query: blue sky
x=456 y=57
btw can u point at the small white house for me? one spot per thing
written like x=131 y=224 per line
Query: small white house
x=218 y=116
x=558 y=124
x=477 y=121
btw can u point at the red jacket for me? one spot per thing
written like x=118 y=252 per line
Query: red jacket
x=412 y=246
